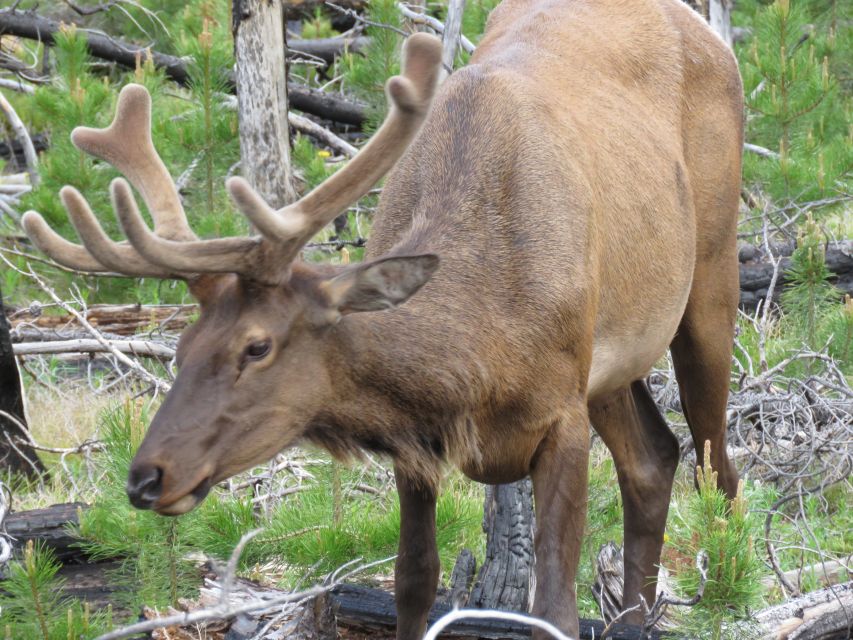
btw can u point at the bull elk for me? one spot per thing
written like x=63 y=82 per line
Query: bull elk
x=578 y=182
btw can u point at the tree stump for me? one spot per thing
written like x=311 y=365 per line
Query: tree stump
x=504 y=580
x=20 y=458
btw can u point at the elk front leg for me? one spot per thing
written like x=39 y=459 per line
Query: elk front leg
x=560 y=487
x=417 y=568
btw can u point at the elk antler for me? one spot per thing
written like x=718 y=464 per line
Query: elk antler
x=172 y=249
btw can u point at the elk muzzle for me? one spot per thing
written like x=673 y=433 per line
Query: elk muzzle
x=148 y=487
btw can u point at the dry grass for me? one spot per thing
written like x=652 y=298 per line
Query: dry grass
x=68 y=414
x=63 y=415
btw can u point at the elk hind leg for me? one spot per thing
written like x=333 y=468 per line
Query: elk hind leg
x=646 y=455
x=702 y=352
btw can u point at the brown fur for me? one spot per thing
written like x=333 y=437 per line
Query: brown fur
x=579 y=182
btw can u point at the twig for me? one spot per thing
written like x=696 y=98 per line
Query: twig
x=159 y=384
x=621 y=615
x=760 y=151
x=362 y=20
x=664 y=600
x=27 y=439
x=23 y=139
x=306 y=126
x=16 y=85
x=214 y=613
x=434 y=24
x=220 y=612
x=231 y=569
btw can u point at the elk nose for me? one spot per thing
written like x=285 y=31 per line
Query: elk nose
x=144 y=485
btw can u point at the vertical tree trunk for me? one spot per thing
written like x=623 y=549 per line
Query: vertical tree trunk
x=452 y=33
x=261 y=77
x=20 y=458
x=720 y=18
x=718 y=13
x=504 y=580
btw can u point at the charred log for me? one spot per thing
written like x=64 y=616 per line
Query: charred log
x=15 y=456
x=327 y=49
x=50 y=526
x=757 y=272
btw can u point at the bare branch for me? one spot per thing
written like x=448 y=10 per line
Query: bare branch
x=308 y=127
x=24 y=139
x=436 y=25
x=132 y=347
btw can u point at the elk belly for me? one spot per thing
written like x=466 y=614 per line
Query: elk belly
x=617 y=362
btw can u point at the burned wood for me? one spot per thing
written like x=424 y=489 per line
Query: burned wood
x=504 y=578
x=308 y=7
x=373 y=610
x=35 y=27
x=51 y=526
x=327 y=49
x=460 y=579
x=756 y=274
x=16 y=151
x=16 y=458
x=326 y=105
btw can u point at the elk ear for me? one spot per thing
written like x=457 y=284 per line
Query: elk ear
x=380 y=284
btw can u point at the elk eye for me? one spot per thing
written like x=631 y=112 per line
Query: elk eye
x=259 y=349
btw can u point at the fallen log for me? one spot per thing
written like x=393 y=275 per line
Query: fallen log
x=327 y=49
x=51 y=526
x=16 y=151
x=373 y=610
x=820 y=615
x=26 y=24
x=139 y=348
x=308 y=6
x=117 y=320
x=825 y=573
x=756 y=273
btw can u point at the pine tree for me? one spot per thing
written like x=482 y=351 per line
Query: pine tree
x=794 y=106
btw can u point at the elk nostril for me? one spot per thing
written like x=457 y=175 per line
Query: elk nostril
x=144 y=485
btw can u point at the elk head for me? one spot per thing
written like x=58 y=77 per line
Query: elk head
x=250 y=371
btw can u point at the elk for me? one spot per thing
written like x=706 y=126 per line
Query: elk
x=561 y=213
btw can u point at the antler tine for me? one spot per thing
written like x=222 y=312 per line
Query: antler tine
x=126 y=144
x=114 y=256
x=58 y=248
x=410 y=96
x=219 y=255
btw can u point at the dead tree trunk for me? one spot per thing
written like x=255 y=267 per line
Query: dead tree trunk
x=720 y=18
x=17 y=457
x=718 y=13
x=261 y=78
x=504 y=580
